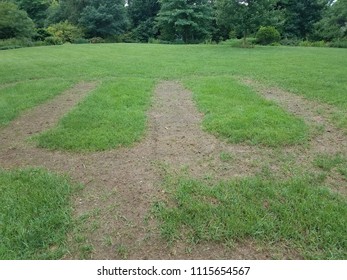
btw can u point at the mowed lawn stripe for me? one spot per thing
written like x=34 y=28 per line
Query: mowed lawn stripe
x=111 y=116
x=237 y=114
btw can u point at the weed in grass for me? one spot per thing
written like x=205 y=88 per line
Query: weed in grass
x=309 y=219
x=235 y=112
x=35 y=214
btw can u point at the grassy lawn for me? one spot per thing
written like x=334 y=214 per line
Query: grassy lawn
x=297 y=212
x=35 y=211
x=35 y=214
x=316 y=73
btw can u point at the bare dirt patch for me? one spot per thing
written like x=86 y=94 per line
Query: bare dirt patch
x=326 y=138
x=114 y=208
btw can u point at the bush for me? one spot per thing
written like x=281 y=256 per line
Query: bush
x=317 y=44
x=81 y=41
x=15 y=43
x=53 y=41
x=239 y=43
x=41 y=34
x=341 y=43
x=96 y=40
x=65 y=31
x=290 y=42
x=267 y=35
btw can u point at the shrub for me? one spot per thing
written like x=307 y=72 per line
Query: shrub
x=239 y=43
x=290 y=42
x=81 y=41
x=319 y=44
x=340 y=43
x=267 y=35
x=53 y=41
x=41 y=34
x=96 y=40
x=65 y=31
x=15 y=43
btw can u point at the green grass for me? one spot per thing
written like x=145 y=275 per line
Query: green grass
x=328 y=162
x=238 y=114
x=114 y=115
x=35 y=214
x=316 y=73
x=297 y=212
x=18 y=97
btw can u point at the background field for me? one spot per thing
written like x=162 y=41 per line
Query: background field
x=292 y=165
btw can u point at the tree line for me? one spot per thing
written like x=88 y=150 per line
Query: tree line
x=173 y=21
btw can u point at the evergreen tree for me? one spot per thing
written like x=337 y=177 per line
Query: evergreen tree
x=301 y=16
x=104 y=18
x=186 y=20
x=142 y=15
x=36 y=9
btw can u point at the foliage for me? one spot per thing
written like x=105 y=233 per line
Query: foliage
x=36 y=9
x=69 y=10
x=15 y=43
x=244 y=17
x=333 y=25
x=240 y=43
x=142 y=17
x=65 y=31
x=14 y=23
x=300 y=17
x=189 y=21
x=35 y=214
x=103 y=18
x=267 y=35
x=339 y=43
x=51 y=40
x=96 y=40
x=142 y=10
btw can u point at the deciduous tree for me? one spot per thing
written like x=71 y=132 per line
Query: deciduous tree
x=14 y=23
x=243 y=16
